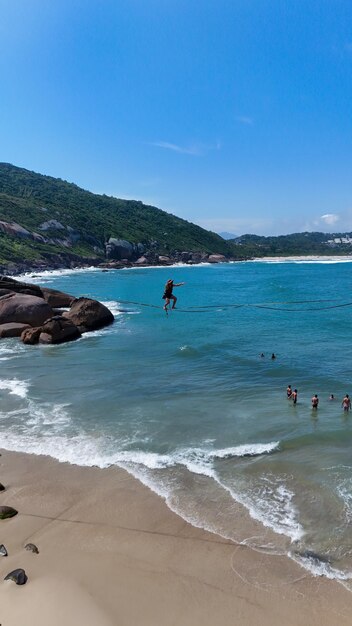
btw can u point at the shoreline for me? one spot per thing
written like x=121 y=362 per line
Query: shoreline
x=120 y=266
x=112 y=552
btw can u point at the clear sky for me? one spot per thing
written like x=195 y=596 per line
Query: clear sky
x=234 y=114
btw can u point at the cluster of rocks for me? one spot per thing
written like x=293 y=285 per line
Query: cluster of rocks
x=114 y=253
x=52 y=233
x=121 y=253
x=41 y=315
x=18 y=575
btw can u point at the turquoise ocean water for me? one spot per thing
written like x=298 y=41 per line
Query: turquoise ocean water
x=187 y=404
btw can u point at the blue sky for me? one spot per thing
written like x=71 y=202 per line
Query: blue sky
x=234 y=114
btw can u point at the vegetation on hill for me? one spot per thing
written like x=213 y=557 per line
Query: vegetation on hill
x=30 y=199
x=297 y=244
x=66 y=224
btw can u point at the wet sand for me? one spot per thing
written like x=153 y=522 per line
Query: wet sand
x=112 y=553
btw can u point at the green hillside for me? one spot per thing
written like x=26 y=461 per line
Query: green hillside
x=86 y=221
x=297 y=244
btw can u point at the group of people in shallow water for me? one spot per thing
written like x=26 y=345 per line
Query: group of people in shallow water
x=292 y=395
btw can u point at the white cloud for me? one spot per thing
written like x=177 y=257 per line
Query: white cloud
x=330 y=218
x=195 y=149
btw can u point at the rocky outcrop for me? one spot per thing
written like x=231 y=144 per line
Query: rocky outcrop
x=14 y=329
x=57 y=299
x=89 y=314
x=9 y=284
x=25 y=309
x=164 y=260
x=119 y=249
x=33 y=318
x=30 y=336
x=216 y=258
x=52 y=225
x=14 y=230
x=142 y=261
x=58 y=330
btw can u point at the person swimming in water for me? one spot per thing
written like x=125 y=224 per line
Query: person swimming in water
x=168 y=295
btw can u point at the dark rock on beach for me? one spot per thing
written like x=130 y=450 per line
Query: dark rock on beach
x=31 y=547
x=11 y=285
x=58 y=330
x=57 y=299
x=41 y=316
x=89 y=314
x=7 y=512
x=25 y=309
x=216 y=258
x=2 y=488
x=3 y=551
x=18 y=576
x=30 y=336
x=13 y=329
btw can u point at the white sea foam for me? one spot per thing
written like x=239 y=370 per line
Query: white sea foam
x=113 y=306
x=158 y=267
x=250 y=449
x=15 y=387
x=45 y=275
x=327 y=260
x=318 y=567
x=10 y=350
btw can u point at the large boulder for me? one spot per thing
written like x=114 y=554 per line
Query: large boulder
x=58 y=330
x=89 y=314
x=14 y=329
x=18 y=307
x=7 y=283
x=57 y=299
x=119 y=249
x=13 y=229
x=141 y=261
x=216 y=258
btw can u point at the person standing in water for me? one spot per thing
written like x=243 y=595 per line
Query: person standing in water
x=294 y=395
x=315 y=402
x=346 y=403
x=289 y=392
x=168 y=295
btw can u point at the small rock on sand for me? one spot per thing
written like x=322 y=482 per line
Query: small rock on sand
x=7 y=511
x=18 y=576
x=31 y=547
x=3 y=551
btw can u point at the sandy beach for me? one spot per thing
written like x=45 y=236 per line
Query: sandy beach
x=111 y=553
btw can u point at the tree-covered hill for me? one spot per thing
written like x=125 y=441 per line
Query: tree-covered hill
x=297 y=244
x=68 y=220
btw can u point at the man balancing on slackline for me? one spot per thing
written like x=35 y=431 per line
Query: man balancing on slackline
x=168 y=295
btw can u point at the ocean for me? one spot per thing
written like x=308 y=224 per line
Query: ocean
x=187 y=404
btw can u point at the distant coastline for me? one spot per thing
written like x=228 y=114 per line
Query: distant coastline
x=29 y=270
